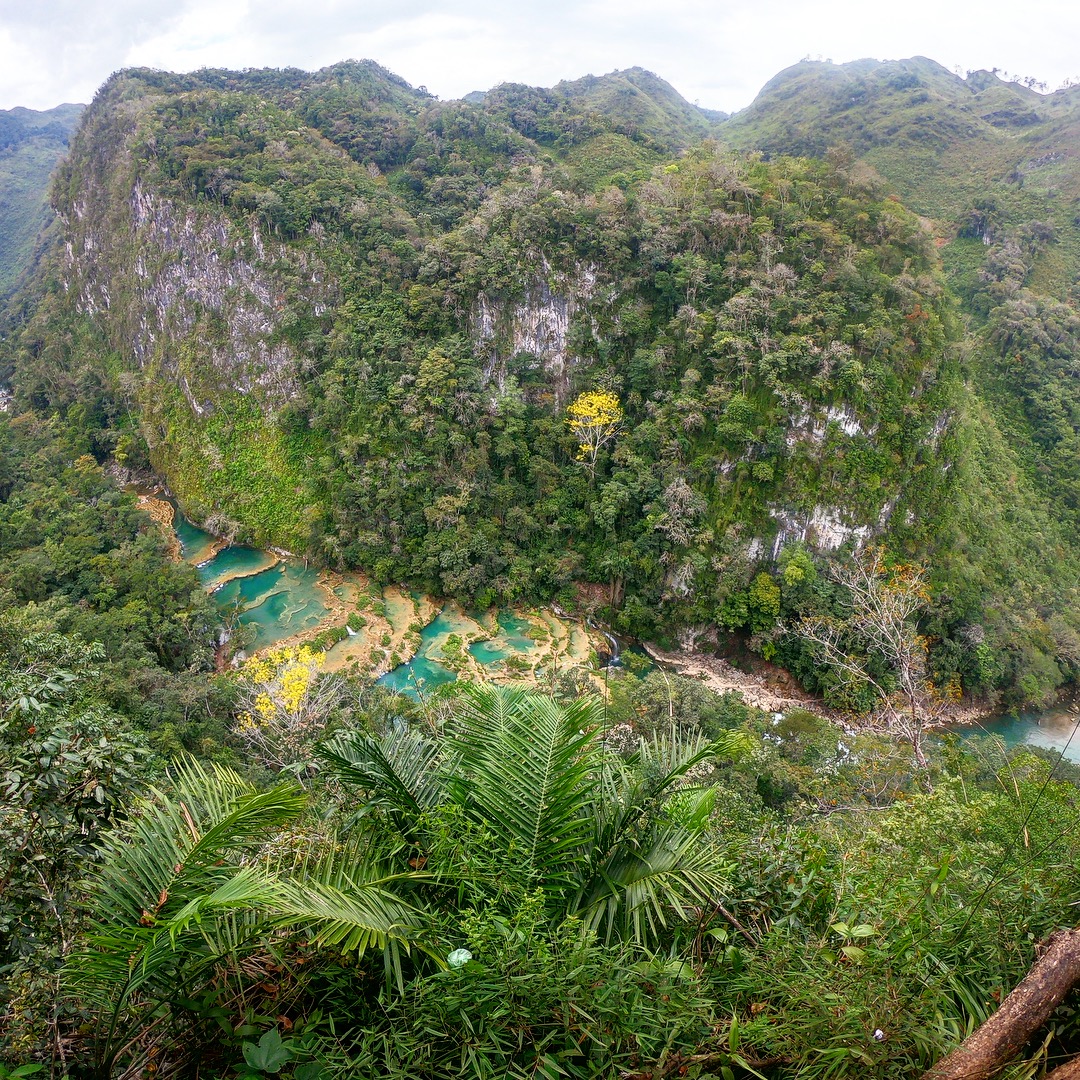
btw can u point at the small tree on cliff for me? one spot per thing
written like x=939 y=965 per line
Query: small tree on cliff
x=595 y=418
x=883 y=602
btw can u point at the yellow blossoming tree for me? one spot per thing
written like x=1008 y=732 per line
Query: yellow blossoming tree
x=595 y=418
x=285 y=702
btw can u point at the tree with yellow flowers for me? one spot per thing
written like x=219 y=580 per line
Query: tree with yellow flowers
x=595 y=418
x=285 y=699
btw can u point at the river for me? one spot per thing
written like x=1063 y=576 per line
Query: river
x=275 y=599
x=409 y=641
x=1052 y=729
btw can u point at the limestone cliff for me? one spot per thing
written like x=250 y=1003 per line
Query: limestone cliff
x=347 y=319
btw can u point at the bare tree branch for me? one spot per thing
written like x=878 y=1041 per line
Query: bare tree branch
x=884 y=602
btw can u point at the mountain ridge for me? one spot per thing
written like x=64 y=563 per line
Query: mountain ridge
x=342 y=316
x=31 y=144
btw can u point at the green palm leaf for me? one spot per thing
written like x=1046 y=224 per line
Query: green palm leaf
x=639 y=888
x=166 y=875
x=650 y=858
x=620 y=844
x=347 y=900
x=399 y=772
x=528 y=770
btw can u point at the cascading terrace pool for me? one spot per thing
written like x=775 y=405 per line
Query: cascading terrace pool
x=412 y=643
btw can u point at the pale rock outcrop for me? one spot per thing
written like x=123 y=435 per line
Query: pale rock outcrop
x=189 y=273
x=536 y=323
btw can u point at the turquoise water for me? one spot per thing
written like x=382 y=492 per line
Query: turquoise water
x=488 y=652
x=195 y=543
x=234 y=562
x=510 y=637
x=424 y=672
x=513 y=630
x=280 y=599
x=418 y=674
x=443 y=624
x=1055 y=729
x=276 y=600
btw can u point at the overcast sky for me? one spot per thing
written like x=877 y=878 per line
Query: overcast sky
x=715 y=52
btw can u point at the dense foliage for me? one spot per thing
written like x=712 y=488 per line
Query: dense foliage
x=344 y=317
x=500 y=884
x=777 y=337
x=77 y=558
x=537 y=344
x=989 y=162
x=31 y=144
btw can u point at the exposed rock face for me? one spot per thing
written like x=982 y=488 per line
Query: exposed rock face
x=532 y=331
x=824 y=529
x=177 y=273
x=812 y=427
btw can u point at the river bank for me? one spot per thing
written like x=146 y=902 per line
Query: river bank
x=413 y=643
x=1056 y=728
x=777 y=694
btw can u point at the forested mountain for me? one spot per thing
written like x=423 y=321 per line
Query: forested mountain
x=797 y=384
x=31 y=143
x=339 y=315
x=993 y=168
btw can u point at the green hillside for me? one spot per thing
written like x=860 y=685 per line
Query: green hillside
x=994 y=169
x=341 y=316
x=793 y=391
x=31 y=143
x=633 y=103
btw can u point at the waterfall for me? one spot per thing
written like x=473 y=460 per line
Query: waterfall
x=614 y=660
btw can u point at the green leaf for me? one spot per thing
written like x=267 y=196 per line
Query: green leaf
x=270 y=1055
x=742 y=1063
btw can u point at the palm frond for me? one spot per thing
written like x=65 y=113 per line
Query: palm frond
x=348 y=900
x=165 y=876
x=487 y=711
x=398 y=771
x=637 y=791
x=668 y=756
x=172 y=845
x=638 y=890
x=529 y=776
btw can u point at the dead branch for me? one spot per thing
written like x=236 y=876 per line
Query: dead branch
x=995 y=1043
x=738 y=925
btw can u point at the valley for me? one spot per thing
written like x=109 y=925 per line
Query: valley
x=405 y=640
x=362 y=775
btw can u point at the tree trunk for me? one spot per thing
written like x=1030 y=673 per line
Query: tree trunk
x=1069 y=1071
x=990 y=1048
